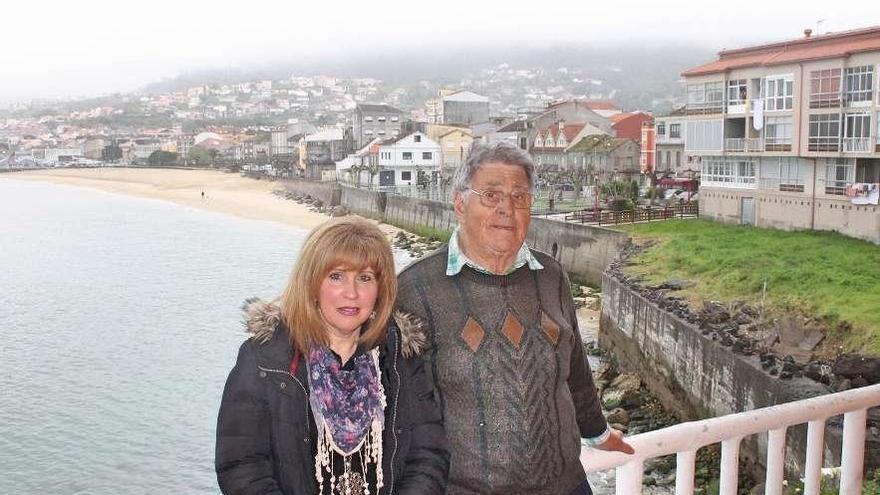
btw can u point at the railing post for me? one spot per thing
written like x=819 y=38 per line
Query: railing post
x=684 y=472
x=852 y=459
x=729 y=466
x=815 y=446
x=628 y=478
x=775 y=462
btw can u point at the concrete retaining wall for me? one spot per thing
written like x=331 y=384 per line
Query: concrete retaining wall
x=404 y=211
x=583 y=250
x=696 y=376
x=364 y=202
x=328 y=192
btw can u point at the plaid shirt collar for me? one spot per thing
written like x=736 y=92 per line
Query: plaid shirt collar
x=457 y=260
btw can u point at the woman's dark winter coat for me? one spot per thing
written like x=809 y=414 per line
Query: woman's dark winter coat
x=266 y=435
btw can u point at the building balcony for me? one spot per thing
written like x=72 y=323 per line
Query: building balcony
x=777 y=144
x=707 y=108
x=857 y=145
x=744 y=145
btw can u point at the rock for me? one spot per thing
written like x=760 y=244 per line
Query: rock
x=623 y=392
x=339 y=211
x=852 y=365
x=675 y=284
x=859 y=382
x=619 y=416
x=844 y=384
x=818 y=372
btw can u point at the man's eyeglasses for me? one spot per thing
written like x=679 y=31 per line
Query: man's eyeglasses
x=492 y=198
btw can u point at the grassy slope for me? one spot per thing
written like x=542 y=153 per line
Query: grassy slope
x=816 y=273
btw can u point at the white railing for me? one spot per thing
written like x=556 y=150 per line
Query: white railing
x=856 y=145
x=686 y=438
x=744 y=144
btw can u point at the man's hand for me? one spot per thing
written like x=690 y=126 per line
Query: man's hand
x=616 y=443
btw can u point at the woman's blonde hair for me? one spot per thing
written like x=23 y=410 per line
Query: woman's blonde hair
x=354 y=244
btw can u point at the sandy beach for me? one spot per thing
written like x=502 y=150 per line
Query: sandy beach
x=224 y=192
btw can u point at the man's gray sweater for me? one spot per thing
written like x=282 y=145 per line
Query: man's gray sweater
x=514 y=384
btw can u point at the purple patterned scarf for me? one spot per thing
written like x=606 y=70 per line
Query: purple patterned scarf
x=346 y=401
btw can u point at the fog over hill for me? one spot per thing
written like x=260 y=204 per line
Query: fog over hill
x=643 y=76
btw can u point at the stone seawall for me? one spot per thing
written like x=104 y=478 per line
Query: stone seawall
x=583 y=250
x=698 y=377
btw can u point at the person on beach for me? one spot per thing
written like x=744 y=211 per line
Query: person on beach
x=513 y=381
x=329 y=394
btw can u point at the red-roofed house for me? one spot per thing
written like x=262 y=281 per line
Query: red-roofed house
x=629 y=125
x=786 y=134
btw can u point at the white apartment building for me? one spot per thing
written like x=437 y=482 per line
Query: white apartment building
x=403 y=159
x=786 y=134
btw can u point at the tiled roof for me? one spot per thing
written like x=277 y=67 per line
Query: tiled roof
x=600 y=105
x=616 y=119
x=799 y=50
x=515 y=126
x=599 y=143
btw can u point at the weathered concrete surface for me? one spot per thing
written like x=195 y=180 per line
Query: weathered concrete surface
x=328 y=192
x=583 y=250
x=698 y=377
x=404 y=211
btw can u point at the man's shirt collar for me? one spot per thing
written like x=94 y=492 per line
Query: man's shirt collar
x=457 y=260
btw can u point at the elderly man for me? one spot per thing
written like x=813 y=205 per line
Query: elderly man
x=514 y=384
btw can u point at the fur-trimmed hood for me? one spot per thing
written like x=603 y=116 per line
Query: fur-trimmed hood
x=261 y=320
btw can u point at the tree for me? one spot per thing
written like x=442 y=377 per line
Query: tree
x=111 y=153
x=198 y=156
x=160 y=157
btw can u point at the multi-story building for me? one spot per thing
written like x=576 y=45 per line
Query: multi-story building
x=465 y=108
x=786 y=134
x=376 y=121
x=669 y=157
x=404 y=159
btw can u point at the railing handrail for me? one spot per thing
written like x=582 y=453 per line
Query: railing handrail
x=693 y=435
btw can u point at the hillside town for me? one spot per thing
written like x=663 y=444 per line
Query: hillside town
x=782 y=135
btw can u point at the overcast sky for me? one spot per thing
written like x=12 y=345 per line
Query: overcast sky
x=88 y=47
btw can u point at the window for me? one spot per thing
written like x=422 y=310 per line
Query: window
x=857 y=132
x=426 y=155
x=380 y=119
x=838 y=174
x=407 y=155
x=728 y=172
x=661 y=128
x=368 y=119
x=825 y=88
x=705 y=98
x=368 y=132
x=407 y=175
x=417 y=138
x=737 y=92
x=675 y=131
x=779 y=93
x=677 y=159
x=783 y=173
x=824 y=132
x=394 y=118
x=777 y=133
x=704 y=135
x=539 y=143
x=859 y=83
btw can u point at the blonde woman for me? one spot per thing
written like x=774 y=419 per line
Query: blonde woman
x=329 y=394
